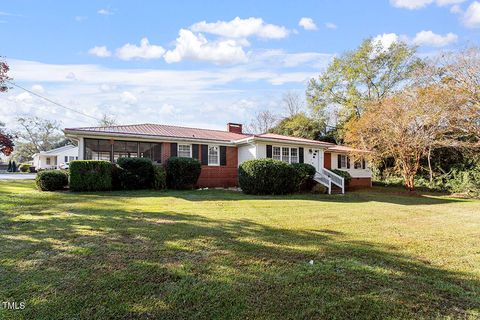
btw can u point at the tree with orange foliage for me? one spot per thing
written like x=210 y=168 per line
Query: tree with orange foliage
x=6 y=140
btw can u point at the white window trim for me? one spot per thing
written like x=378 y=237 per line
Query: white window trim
x=218 y=156
x=342 y=156
x=184 y=144
x=289 y=160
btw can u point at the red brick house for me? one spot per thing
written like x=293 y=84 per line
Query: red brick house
x=219 y=152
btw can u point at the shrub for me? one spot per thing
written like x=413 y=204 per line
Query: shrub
x=344 y=174
x=183 y=173
x=267 y=176
x=137 y=173
x=160 y=178
x=90 y=175
x=24 y=167
x=51 y=180
x=305 y=173
x=117 y=173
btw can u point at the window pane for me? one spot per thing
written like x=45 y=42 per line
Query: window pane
x=157 y=152
x=104 y=150
x=213 y=155
x=184 y=150
x=276 y=153
x=293 y=155
x=91 y=145
x=145 y=150
x=285 y=154
x=343 y=161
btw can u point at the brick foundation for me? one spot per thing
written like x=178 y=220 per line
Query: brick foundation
x=221 y=176
x=359 y=183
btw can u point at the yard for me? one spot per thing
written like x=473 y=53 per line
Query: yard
x=221 y=254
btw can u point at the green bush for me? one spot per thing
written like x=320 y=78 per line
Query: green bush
x=137 y=173
x=344 y=174
x=117 y=173
x=305 y=173
x=51 y=180
x=465 y=181
x=267 y=176
x=182 y=173
x=90 y=175
x=160 y=178
x=24 y=167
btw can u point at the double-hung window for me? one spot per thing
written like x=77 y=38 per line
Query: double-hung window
x=276 y=153
x=293 y=155
x=343 y=162
x=213 y=156
x=185 y=150
x=286 y=154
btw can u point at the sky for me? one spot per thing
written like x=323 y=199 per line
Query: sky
x=198 y=63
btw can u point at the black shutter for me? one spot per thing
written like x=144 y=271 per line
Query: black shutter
x=348 y=162
x=66 y=159
x=339 y=161
x=269 y=151
x=204 y=154
x=300 y=155
x=223 y=155
x=363 y=164
x=173 y=149
x=195 y=151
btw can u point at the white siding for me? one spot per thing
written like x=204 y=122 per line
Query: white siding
x=246 y=152
x=81 y=146
x=355 y=173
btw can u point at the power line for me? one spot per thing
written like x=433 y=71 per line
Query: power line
x=51 y=101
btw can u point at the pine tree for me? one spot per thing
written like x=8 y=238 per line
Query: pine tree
x=14 y=166
x=9 y=168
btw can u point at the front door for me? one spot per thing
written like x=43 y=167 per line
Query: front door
x=315 y=158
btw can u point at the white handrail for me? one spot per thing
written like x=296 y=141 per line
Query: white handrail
x=327 y=182
x=335 y=178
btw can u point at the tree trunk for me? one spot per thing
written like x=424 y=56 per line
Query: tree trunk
x=430 y=164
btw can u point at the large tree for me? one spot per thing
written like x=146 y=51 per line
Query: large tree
x=36 y=135
x=300 y=125
x=4 y=78
x=353 y=79
x=262 y=122
x=293 y=103
x=6 y=141
x=407 y=126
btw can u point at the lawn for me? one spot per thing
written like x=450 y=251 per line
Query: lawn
x=210 y=254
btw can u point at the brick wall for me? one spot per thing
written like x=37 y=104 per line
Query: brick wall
x=221 y=176
x=359 y=183
x=165 y=152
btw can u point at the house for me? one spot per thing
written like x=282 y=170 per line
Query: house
x=53 y=159
x=220 y=152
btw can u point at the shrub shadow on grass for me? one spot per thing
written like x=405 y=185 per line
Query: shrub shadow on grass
x=114 y=263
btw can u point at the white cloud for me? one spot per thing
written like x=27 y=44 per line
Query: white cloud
x=71 y=76
x=471 y=18
x=241 y=28
x=418 y=4
x=80 y=18
x=38 y=88
x=307 y=23
x=167 y=109
x=128 y=98
x=196 y=47
x=100 y=52
x=386 y=39
x=456 y=9
x=429 y=38
x=24 y=97
x=144 y=51
x=330 y=25
x=105 y=12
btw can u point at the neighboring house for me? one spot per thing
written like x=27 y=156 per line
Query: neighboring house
x=220 y=152
x=54 y=158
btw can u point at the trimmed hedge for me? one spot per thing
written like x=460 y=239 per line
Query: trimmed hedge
x=160 y=178
x=344 y=174
x=24 y=167
x=305 y=173
x=51 y=180
x=136 y=173
x=183 y=173
x=267 y=176
x=90 y=175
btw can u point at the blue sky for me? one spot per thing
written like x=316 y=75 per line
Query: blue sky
x=199 y=63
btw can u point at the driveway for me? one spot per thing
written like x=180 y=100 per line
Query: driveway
x=17 y=176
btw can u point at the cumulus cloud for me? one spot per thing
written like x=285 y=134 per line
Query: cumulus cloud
x=241 y=28
x=386 y=39
x=144 y=51
x=418 y=4
x=429 y=38
x=38 y=88
x=101 y=52
x=24 y=97
x=330 y=25
x=128 y=98
x=307 y=23
x=471 y=17
x=80 y=18
x=190 y=46
x=105 y=12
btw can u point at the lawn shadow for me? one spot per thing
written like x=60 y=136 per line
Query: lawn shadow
x=116 y=263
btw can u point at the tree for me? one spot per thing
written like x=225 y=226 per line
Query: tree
x=263 y=122
x=6 y=141
x=300 y=125
x=293 y=103
x=369 y=73
x=107 y=121
x=4 y=78
x=36 y=135
x=406 y=127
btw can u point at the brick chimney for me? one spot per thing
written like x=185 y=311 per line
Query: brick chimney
x=234 y=127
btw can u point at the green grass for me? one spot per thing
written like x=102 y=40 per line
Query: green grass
x=217 y=254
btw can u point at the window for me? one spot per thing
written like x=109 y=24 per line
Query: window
x=185 y=150
x=66 y=158
x=213 y=156
x=293 y=155
x=285 y=154
x=71 y=158
x=344 y=162
x=152 y=151
x=124 y=149
x=48 y=161
x=357 y=164
x=276 y=153
x=110 y=150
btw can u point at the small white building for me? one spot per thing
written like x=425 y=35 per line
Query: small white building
x=54 y=158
